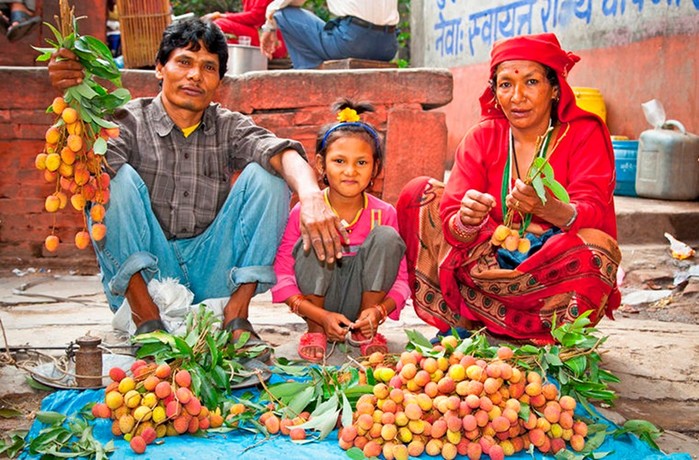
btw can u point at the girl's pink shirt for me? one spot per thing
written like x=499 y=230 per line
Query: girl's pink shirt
x=383 y=213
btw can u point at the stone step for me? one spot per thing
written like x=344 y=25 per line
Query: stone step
x=644 y=221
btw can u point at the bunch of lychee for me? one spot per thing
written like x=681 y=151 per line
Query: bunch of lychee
x=153 y=402
x=509 y=239
x=287 y=426
x=69 y=161
x=457 y=404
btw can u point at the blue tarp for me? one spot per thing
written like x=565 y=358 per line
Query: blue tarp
x=245 y=445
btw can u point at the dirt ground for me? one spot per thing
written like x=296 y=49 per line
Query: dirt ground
x=649 y=288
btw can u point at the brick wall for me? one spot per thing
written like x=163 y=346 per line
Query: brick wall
x=293 y=104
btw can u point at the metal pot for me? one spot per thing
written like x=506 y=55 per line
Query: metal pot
x=243 y=59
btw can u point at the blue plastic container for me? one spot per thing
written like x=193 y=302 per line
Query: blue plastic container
x=625 y=157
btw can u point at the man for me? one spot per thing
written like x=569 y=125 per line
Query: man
x=363 y=29
x=172 y=212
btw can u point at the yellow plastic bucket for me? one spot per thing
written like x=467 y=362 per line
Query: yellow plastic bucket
x=591 y=99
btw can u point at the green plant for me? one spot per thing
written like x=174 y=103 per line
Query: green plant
x=327 y=392
x=206 y=352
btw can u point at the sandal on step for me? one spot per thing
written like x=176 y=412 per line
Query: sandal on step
x=150 y=326
x=368 y=346
x=310 y=341
x=255 y=346
x=21 y=23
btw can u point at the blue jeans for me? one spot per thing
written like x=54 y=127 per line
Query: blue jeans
x=237 y=248
x=310 y=41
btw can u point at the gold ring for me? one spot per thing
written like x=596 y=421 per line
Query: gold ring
x=516 y=203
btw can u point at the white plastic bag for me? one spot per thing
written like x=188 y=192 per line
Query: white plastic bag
x=174 y=301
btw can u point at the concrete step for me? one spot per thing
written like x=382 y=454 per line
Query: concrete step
x=644 y=221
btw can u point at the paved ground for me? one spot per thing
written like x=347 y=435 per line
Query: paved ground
x=655 y=353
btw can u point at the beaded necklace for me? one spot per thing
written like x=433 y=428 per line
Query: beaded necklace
x=511 y=163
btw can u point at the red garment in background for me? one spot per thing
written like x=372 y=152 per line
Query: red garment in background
x=248 y=23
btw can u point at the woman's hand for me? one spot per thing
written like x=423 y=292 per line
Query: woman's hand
x=368 y=321
x=475 y=207
x=335 y=326
x=524 y=199
x=65 y=70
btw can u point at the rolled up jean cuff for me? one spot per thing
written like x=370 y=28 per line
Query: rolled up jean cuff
x=142 y=261
x=263 y=275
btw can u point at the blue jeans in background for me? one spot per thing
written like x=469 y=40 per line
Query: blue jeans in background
x=238 y=247
x=310 y=40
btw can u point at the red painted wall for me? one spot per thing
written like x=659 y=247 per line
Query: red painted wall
x=292 y=104
x=663 y=68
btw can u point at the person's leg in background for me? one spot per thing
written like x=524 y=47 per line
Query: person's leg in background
x=301 y=31
x=18 y=18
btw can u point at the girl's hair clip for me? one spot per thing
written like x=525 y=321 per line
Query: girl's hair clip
x=347 y=115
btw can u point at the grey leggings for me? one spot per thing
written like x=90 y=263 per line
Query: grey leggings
x=373 y=268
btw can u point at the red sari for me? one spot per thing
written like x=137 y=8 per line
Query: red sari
x=461 y=284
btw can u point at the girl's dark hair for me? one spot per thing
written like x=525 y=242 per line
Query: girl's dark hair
x=551 y=76
x=333 y=131
x=189 y=33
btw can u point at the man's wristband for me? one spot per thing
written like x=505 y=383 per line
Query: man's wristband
x=267 y=28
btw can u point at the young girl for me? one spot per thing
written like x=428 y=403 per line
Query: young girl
x=370 y=281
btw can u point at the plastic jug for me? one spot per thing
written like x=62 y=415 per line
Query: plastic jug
x=668 y=163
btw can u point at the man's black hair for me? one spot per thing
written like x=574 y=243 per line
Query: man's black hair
x=188 y=34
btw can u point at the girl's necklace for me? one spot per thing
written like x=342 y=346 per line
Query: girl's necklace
x=511 y=164
x=365 y=201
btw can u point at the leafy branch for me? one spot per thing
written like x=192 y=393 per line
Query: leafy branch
x=328 y=393
x=92 y=101
x=206 y=351
x=66 y=437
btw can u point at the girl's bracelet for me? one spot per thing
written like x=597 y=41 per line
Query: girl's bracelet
x=383 y=313
x=295 y=302
x=465 y=232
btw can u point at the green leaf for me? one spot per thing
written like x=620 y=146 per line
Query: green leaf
x=50 y=418
x=538 y=185
x=418 y=339
x=323 y=422
x=577 y=365
x=541 y=164
x=285 y=390
x=355 y=453
x=6 y=412
x=346 y=419
x=100 y=146
x=299 y=402
x=559 y=191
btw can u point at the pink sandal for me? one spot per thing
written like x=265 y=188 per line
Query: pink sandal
x=309 y=341
x=368 y=346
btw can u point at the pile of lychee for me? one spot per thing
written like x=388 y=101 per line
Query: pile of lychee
x=510 y=239
x=69 y=161
x=457 y=404
x=153 y=402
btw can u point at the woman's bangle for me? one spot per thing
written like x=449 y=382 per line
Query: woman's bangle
x=295 y=302
x=572 y=219
x=465 y=232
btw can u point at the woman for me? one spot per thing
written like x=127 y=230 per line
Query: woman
x=460 y=279
x=246 y=23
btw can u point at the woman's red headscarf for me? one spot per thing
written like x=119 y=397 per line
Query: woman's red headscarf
x=544 y=49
